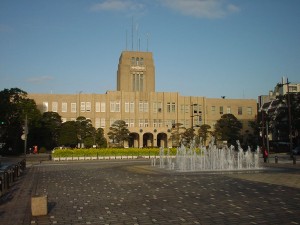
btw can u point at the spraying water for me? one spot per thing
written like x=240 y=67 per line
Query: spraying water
x=209 y=159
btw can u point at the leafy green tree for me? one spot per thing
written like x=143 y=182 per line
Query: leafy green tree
x=15 y=107
x=176 y=134
x=68 y=134
x=188 y=136
x=100 y=139
x=49 y=130
x=118 y=133
x=228 y=129
x=204 y=132
x=85 y=131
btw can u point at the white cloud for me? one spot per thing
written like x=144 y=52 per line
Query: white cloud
x=39 y=80
x=117 y=5
x=201 y=8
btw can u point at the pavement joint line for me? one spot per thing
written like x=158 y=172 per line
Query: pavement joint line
x=132 y=182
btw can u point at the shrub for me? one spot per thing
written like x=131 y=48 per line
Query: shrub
x=94 y=152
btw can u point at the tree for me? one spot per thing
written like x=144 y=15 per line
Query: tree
x=176 y=134
x=85 y=130
x=204 y=132
x=118 y=133
x=100 y=139
x=68 y=134
x=188 y=136
x=228 y=129
x=49 y=129
x=14 y=108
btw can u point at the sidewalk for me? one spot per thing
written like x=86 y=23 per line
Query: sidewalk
x=133 y=192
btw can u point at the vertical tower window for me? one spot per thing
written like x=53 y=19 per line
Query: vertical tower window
x=138 y=81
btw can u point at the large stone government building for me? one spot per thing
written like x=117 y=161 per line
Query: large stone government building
x=148 y=114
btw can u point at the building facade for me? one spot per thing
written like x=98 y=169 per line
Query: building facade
x=148 y=114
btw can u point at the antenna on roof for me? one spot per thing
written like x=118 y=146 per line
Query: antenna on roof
x=132 y=34
x=147 y=41
x=137 y=36
x=126 y=41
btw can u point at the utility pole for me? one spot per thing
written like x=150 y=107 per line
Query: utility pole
x=25 y=134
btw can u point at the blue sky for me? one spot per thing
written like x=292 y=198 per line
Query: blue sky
x=212 y=48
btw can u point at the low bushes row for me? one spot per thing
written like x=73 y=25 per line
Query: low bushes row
x=93 y=152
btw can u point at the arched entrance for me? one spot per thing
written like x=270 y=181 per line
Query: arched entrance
x=134 y=140
x=162 y=140
x=148 y=140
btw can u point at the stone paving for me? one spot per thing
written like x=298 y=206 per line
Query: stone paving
x=133 y=192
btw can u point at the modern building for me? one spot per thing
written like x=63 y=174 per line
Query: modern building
x=149 y=115
x=276 y=115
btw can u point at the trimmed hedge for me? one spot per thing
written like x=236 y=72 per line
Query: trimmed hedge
x=94 y=152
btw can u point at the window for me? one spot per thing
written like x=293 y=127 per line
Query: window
x=97 y=123
x=213 y=110
x=228 y=109
x=97 y=106
x=131 y=124
x=157 y=107
x=73 y=107
x=88 y=106
x=45 y=107
x=146 y=107
x=173 y=108
x=64 y=107
x=54 y=106
x=249 y=110
x=240 y=110
x=155 y=122
x=102 y=122
x=187 y=109
x=132 y=61
x=82 y=106
x=137 y=61
x=114 y=106
x=141 y=122
x=154 y=107
x=221 y=110
x=169 y=123
x=132 y=107
x=118 y=108
x=141 y=61
x=102 y=106
x=141 y=106
x=138 y=81
x=182 y=108
x=126 y=106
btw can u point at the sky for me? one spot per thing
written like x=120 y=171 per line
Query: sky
x=211 y=48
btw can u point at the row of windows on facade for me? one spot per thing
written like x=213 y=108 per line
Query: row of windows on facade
x=156 y=123
x=115 y=106
x=101 y=122
x=136 y=61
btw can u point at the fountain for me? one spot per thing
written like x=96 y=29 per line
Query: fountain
x=209 y=159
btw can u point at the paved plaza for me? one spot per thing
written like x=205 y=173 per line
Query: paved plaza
x=133 y=192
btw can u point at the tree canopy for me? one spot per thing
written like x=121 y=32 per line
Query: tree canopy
x=228 y=129
x=118 y=133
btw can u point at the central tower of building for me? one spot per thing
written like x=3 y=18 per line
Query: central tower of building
x=136 y=72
